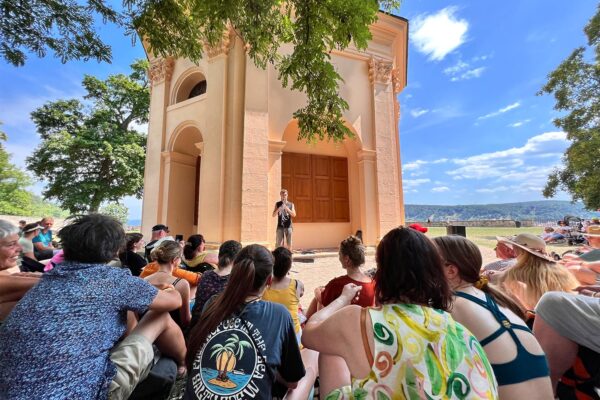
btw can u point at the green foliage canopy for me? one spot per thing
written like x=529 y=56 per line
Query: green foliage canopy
x=90 y=155
x=116 y=210
x=14 y=198
x=575 y=85
x=182 y=28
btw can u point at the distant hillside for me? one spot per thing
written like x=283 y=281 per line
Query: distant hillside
x=550 y=210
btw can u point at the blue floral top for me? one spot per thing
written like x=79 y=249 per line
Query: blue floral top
x=55 y=344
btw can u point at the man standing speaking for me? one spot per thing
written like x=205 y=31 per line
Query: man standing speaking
x=285 y=211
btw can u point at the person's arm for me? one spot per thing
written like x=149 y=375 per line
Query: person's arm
x=14 y=287
x=275 y=210
x=167 y=299
x=184 y=312
x=292 y=210
x=40 y=246
x=594 y=266
x=299 y=289
x=328 y=329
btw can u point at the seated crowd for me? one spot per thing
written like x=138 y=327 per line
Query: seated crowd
x=431 y=322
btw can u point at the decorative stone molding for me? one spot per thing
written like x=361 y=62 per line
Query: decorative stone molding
x=366 y=155
x=276 y=146
x=200 y=147
x=396 y=81
x=225 y=44
x=379 y=71
x=161 y=69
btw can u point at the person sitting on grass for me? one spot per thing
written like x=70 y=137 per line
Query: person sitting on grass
x=507 y=257
x=496 y=320
x=535 y=272
x=168 y=256
x=587 y=272
x=77 y=315
x=213 y=282
x=285 y=290
x=409 y=346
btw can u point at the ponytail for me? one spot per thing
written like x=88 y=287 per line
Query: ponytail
x=252 y=267
x=466 y=256
x=501 y=298
x=191 y=245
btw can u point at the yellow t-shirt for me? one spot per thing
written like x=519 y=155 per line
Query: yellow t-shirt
x=288 y=298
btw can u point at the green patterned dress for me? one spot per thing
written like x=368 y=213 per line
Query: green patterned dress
x=422 y=353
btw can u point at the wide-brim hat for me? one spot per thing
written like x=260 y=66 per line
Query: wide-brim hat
x=528 y=242
x=592 y=231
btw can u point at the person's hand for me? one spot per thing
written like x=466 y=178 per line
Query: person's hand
x=591 y=290
x=350 y=292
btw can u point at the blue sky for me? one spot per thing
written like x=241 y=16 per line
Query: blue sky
x=472 y=129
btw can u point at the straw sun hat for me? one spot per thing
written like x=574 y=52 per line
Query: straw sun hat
x=593 y=231
x=530 y=243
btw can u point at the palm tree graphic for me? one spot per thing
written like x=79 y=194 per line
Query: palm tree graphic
x=227 y=356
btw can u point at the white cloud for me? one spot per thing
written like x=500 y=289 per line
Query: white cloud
x=512 y=164
x=470 y=74
x=412 y=183
x=411 y=166
x=456 y=68
x=440 y=189
x=440 y=161
x=417 y=112
x=493 y=189
x=501 y=111
x=519 y=123
x=437 y=35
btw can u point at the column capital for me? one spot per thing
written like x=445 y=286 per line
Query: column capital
x=366 y=155
x=380 y=71
x=161 y=70
x=224 y=46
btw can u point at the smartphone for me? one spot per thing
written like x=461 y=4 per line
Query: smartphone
x=178 y=238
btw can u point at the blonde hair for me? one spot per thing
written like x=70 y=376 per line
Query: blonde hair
x=539 y=276
x=166 y=252
x=354 y=249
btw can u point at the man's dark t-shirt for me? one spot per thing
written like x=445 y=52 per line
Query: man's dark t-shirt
x=242 y=357
x=284 y=219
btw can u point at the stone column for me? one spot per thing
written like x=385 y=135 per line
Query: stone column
x=386 y=145
x=212 y=192
x=275 y=152
x=159 y=73
x=367 y=177
x=255 y=164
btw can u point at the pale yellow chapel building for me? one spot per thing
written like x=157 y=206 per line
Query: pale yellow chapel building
x=222 y=143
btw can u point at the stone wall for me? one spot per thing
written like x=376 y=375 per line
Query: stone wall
x=506 y=223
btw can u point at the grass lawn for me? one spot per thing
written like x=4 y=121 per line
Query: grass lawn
x=486 y=236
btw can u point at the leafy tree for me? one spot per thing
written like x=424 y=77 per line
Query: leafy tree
x=183 y=27
x=116 y=210
x=575 y=85
x=90 y=155
x=14 y=198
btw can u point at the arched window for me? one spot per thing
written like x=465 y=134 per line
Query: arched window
x=192 y=84
x=197 y=90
